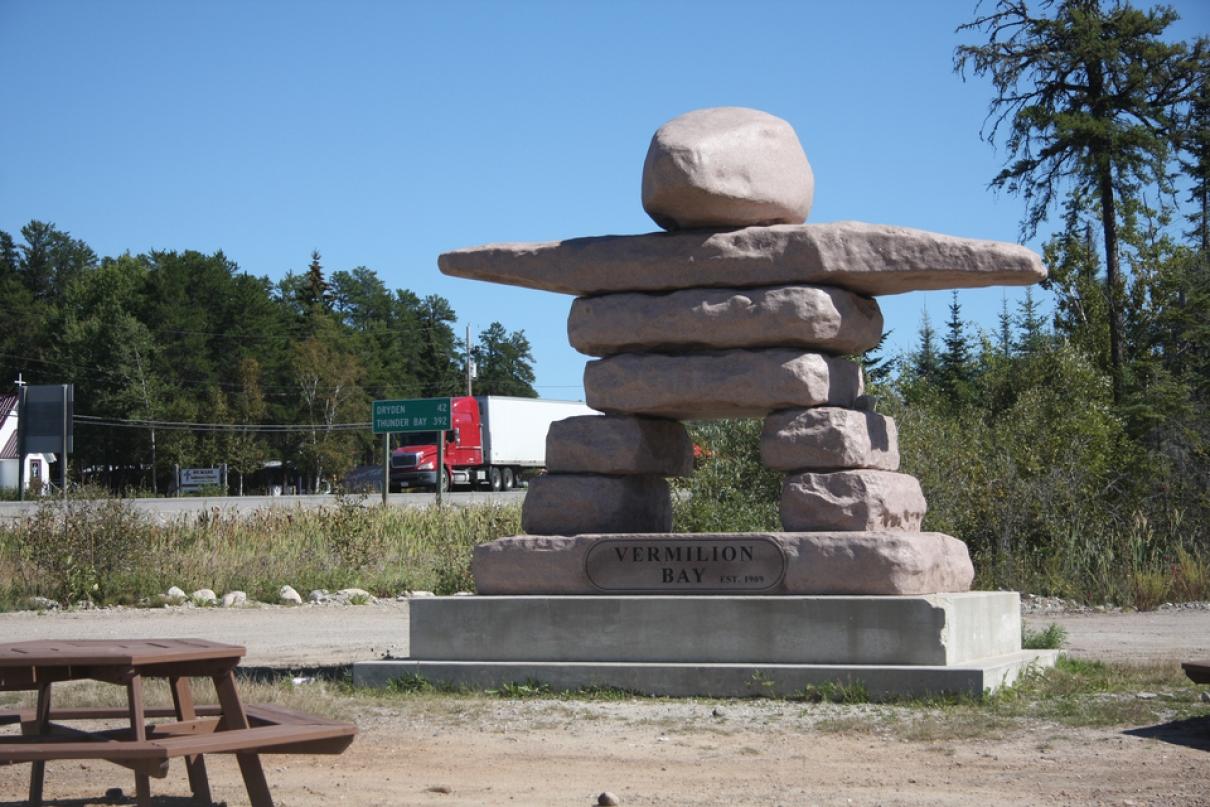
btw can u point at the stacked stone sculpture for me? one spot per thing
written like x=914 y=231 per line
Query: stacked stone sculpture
x=739 y=310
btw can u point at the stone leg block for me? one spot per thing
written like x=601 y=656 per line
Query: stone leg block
x=852 y=500
x=618 y=444
x=828 y=438
x=570 y=504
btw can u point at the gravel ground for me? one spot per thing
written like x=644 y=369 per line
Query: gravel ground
x=319 y=635
x=276 y=636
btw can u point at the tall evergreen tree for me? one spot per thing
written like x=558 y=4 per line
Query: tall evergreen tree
x=1091 y=98
x=316 y=292
x=440 y=365
x=876 y=368
x=1004 y=328
x=1195 y=145
x=955 y=371
x=1030 y=324
x=505 y=363
x=925 y=364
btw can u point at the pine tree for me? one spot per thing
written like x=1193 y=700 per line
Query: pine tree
x=1195 y=144
x=924 y=362
x=1090 y=97
x=316 y=293
x=505 y=363
x=876 y=368
x=1030 y=324
x=1004 y=329
x=955 y=371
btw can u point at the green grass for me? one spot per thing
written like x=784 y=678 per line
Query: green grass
x=1052 y=637
x=1074 y=694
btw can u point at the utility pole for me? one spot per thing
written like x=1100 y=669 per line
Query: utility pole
x=20 y=438
x=469 y=360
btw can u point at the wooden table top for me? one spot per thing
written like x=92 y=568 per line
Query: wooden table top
x=1198 y=671
x=123 y=652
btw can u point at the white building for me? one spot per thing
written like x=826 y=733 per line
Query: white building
x=37 y=466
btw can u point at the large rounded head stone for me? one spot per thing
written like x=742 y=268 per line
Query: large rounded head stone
x=726 y=167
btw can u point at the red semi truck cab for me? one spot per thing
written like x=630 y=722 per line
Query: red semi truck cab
x=492 y=441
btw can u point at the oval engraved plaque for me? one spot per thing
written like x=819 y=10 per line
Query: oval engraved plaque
x=686 y=565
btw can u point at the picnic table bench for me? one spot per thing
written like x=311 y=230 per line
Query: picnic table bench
x=190 y=732
x=1198 y=671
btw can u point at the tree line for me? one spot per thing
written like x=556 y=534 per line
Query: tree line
x=1071 y=450
x=181 y=358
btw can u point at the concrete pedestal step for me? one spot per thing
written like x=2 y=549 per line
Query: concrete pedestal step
x=877 y=682
x=724 y=646
x=932 y=629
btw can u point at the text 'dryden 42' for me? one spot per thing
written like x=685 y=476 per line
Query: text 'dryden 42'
x=728 y=564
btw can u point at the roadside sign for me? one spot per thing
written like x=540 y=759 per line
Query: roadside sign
x=417 y=415
x=47 y=418
x=196 y=477
x=193 y=480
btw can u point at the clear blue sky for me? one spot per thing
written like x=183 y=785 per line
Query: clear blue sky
x=384 y=133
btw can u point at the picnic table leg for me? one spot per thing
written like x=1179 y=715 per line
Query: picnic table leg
x=199 y=783
x=138 y=722
x=37 y=772
x=234 y=718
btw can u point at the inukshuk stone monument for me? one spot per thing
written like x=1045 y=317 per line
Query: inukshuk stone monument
x=738 y=310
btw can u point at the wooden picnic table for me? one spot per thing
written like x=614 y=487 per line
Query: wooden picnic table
x=192 y=731
x=1198 y=671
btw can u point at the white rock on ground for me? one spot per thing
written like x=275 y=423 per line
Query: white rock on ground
x=620 y=445
x=571 y=504
x=319 y=595
x=829 y=438
x=719 y=384
x=234 y=599
x=287 y=595
x=203 y=596
x=726 y=167
x=875 y=501
x=358 y=596
x=814 y=317
x=870 y=259
x=175 y=593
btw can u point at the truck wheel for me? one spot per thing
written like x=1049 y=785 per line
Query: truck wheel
x=494 y=477
x=508 y=479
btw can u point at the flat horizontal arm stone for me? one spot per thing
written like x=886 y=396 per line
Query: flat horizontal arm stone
x=813 y=317
x=870 y=259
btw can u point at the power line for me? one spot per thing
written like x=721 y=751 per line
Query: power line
x=179 y=425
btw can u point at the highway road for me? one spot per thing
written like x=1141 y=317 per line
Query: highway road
x=168 y=509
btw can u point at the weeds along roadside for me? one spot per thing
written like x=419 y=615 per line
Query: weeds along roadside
x=107 y=552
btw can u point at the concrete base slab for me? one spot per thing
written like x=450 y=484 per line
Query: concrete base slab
x=933 y=629
x=877 y=682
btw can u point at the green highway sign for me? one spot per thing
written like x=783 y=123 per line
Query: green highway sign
x=418 y=415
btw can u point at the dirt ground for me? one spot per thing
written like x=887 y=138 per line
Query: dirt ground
x=445 y=750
